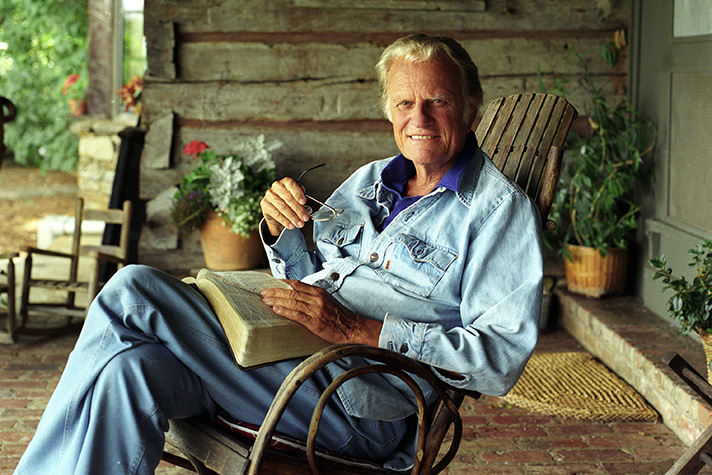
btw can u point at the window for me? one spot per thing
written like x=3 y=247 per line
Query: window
x=132 y=49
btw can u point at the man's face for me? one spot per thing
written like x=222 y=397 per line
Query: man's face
x=426 y=106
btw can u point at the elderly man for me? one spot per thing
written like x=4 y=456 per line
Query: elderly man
x=436 y=255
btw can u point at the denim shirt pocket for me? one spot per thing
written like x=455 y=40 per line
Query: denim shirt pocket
x=340 y=240
x=415 y=267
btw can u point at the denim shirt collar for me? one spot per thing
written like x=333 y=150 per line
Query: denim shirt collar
x=465 y=172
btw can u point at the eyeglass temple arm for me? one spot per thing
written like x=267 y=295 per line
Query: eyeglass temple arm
x=308 y=170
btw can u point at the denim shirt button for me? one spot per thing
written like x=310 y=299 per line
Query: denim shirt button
x=277 y=261
x=340 y=241
x=334 y=276
x=404 y=348
x=373 y=257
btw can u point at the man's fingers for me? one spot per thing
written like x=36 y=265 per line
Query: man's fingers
x=303 y=298
x=282 y=205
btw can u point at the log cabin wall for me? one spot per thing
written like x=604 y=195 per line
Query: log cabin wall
x=301 y=72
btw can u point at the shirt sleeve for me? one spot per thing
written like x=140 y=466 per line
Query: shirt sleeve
x=287 y=254
x=501 y=293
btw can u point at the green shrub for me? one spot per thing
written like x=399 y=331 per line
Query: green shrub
x=41 y=43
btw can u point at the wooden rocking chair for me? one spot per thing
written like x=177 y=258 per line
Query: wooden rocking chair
x=524 y=135
x=72 y=283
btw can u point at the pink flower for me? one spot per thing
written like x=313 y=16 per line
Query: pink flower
x=195 y=148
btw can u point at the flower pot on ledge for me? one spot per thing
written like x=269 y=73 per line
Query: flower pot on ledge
x=224 y=250
x=77 y=107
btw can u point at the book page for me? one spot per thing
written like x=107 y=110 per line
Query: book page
x=251 y=281
x=231 y=298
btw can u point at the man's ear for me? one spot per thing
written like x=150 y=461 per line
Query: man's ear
x=474 y=107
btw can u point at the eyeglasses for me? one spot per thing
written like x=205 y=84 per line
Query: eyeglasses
x=326 y=212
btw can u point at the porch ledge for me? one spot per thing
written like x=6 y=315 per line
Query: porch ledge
x=631 y=340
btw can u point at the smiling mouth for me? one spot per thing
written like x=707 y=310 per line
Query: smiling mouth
x=422 y=137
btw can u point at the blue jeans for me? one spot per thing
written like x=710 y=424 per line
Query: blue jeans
x=151 y=350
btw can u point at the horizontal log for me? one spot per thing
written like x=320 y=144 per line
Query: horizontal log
x=260 y=62
x=322 y=100
x=447 y=5
x=217 y=101
x=285 y=16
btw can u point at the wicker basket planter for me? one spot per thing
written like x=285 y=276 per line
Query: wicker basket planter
x=591 y=275
x=707 y=346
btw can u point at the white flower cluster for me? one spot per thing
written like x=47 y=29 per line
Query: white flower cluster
x=257 y=154
x=229 y=195
x=226 y=182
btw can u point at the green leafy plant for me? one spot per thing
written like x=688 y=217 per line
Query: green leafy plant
x=595 y=204
x=691 y=301
x=231 y=185
x=40 y=44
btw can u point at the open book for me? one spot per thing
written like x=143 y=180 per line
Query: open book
x=256 y=334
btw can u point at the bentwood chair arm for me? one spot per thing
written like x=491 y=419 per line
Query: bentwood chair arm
x=392 y=363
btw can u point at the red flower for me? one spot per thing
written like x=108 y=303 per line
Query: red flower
x=69 y=82
x=131 y=93
x=194 y=148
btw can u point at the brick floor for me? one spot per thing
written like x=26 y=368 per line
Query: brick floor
x=498 y=438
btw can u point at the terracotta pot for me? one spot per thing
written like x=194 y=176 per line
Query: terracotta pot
x=225 y=250
x=591 y=275
x=707 y=346
x=77 y=107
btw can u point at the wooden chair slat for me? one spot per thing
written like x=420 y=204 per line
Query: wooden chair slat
x=513 y=141
x=493 y=129
x=536 y=123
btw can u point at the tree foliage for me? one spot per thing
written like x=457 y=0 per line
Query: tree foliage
x=41 y=44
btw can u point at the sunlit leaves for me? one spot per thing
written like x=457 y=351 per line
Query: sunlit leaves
x=46 y=41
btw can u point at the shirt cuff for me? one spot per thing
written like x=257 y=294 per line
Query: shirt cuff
x=402 y=336
x=280 y=249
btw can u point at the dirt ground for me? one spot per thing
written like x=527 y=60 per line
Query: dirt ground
x=26 y=196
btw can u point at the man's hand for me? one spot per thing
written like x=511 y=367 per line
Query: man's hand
x=322 y=314
x=283 y=206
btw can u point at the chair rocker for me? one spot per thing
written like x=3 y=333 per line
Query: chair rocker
x=73 y=284
x=524 y=135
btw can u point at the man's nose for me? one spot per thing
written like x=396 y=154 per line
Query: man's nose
x=422 y=116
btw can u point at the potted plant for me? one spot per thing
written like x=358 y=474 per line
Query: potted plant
x=75 y=88
x=130 y=94
x=691 y=301
x=595 y=205
x=222 y=195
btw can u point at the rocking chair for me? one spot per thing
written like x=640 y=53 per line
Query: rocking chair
x=524 y=135
x=73 y=283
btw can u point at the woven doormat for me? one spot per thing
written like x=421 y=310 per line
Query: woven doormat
x=575 y=385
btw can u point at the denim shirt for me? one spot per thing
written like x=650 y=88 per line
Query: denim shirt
x=456 y=279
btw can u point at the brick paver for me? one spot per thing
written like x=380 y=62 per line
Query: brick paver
x=498 y=438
